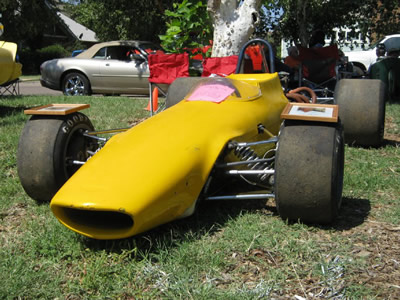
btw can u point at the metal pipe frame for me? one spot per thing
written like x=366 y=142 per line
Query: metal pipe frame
x=250 y=172
x=246 y=162
x=244 y=144
x=270 y=53
x=242 y=197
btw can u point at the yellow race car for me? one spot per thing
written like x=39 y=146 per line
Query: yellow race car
x=237 y=137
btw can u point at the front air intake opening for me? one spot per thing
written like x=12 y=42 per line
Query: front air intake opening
x=96 y=219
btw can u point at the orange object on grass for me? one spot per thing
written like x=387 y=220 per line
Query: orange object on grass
x=155 y=101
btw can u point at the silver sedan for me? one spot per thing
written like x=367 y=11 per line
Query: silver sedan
x=118 y=67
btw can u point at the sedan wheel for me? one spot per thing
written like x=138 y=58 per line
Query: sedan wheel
x=75 y=84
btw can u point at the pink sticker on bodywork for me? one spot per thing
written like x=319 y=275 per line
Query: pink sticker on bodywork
x=211 y=92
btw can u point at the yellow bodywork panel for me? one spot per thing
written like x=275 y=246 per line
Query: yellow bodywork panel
x=154 y=172
x=9 y=69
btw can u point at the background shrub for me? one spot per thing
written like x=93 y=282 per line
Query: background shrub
x=31 y=60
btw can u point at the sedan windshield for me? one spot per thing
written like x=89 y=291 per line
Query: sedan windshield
x=150 y=47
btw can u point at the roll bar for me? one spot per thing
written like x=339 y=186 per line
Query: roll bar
x=270 y=50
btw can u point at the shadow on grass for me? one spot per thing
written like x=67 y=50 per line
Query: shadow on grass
x=209 y=218
x=6 y=111
x=395 y=142
x=352 y=214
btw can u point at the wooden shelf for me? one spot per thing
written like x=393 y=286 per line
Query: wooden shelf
x=56 y=109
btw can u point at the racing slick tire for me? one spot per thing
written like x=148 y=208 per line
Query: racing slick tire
x=179 y=88
x=45 y=150
x=75 y=84
x=309 y=167
x=361 y=110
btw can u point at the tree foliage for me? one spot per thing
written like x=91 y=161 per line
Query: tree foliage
x=192 y=24
x=294 y=20
x=122 y=19
x=188 y=26
x=299 y=18
x=25 y=20
x=187 y=23
x=381 y=17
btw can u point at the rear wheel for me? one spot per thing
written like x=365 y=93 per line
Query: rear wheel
x=309 y=167
x=180 y=88
x=46 y=149
x=75 y=84
x=361 y=110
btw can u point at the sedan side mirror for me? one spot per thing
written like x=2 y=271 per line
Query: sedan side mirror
x=138 y=57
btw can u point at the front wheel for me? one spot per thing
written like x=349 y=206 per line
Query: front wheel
x=309 y=167
x=47 y=148
x=75 y=84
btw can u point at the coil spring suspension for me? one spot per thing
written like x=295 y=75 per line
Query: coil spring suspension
x=245 y=153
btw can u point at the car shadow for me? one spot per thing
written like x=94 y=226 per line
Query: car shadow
x=395 y=142
x=209 y=218
x=354 y=212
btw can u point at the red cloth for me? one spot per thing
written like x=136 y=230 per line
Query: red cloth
x=165 y=68
x=254 y=52
x=291 y=62
x=318 y=53
x=319 y=63
x=221 y=66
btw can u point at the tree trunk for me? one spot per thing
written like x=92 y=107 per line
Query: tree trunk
x=302 y=6
x=233 y=24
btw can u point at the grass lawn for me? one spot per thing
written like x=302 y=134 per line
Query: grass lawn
x=30 y=78
x=227 y=250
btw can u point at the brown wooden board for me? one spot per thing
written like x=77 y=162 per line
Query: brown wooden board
x=311 y=112
x=56 y=109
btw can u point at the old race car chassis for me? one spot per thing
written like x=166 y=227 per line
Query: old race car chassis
x=254 y=145
x=300 y=191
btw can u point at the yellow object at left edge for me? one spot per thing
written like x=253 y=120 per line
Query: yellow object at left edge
x=9 y=68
